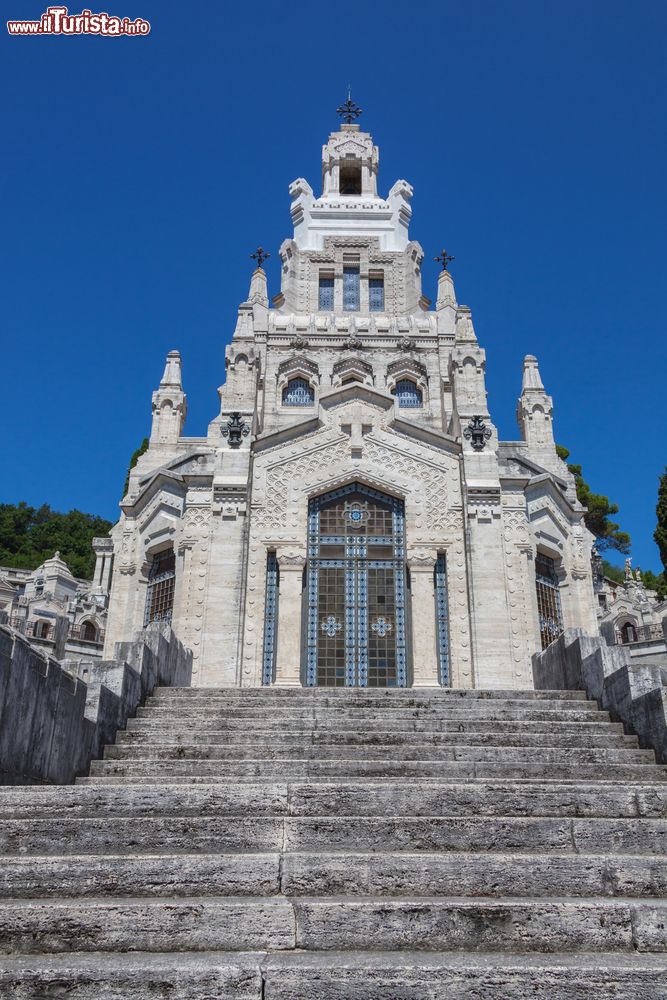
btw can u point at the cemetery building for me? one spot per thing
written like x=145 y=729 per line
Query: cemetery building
x=351 y=516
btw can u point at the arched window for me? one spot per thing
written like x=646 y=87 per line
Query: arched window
x=298 y=392
x=408 y=394
x=88 y=632
x=160 y=591
x=628 y=633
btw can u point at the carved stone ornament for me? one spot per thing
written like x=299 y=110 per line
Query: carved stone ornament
x=353 y=343
x=298 y=343
x=235 y=430
x=406 y=344
x=477 y=433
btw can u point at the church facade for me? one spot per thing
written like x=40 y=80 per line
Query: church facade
x=351 y=517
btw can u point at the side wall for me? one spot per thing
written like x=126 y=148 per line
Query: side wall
x=53 y=723
x=635 y=695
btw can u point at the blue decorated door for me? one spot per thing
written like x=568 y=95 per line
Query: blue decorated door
x=356 y=619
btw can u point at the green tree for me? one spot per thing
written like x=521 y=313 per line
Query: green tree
x=613 y=572
x=599 y=511
x=655 y=581
x=29 y=535
x=660 y=533
x=136 y=455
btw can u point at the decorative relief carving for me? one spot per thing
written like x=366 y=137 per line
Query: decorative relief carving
x=484 y=505
x=477 y=433
x=235 y=430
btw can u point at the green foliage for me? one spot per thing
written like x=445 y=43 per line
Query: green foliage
x=660 y=534
x=613 y=572
x=133 y=461
x=29 y=535
x=599 y=511
x=655 y=581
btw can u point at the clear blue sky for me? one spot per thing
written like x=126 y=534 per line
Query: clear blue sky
x=139 y=174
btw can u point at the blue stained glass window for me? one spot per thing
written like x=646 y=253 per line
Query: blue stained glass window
x=351 y=301
x=442 y=609
x=298 y=392
x=407 y=394
x=270 y=619
x=326 y=297
x=376 y=294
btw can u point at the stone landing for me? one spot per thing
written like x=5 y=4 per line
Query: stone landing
x=340 y=845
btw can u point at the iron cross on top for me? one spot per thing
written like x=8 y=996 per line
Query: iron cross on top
x=349 y=111
x=444 y=258
x=260 y=255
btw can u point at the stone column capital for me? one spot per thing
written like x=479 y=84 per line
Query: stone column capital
x=291 y=560
x=422 y=560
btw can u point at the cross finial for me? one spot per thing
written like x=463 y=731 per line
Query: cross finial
x=444 y=258
x=260 y=255
x=349 y=111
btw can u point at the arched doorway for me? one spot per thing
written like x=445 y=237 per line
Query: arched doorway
x=356 y=627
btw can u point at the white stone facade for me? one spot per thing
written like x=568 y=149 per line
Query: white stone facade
x=56 y=611
x=315 y=400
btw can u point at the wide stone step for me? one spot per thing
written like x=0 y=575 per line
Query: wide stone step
x=387 y=738
x=538 y=711
x=398 y=751
x=159 y=874
x=332 y=975
x=360 y=797
x=271 y=834
x=472 y=874
x=210 y=770
x=326 y=923
x=374 y=695
x=334 y=874
x=151 y=723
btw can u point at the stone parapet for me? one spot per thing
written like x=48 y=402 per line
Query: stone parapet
x=55 y=718
x=634 y=694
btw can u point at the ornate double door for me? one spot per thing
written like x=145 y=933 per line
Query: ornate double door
x=356 y=610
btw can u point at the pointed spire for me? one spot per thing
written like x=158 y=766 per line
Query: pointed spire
x=258 y=288
x=446 y=293
x=531 y=374
x=172 y=377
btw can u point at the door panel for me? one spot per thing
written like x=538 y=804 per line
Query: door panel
x=356 y=590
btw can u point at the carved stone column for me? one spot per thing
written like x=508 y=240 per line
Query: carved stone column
x=288 y=653
x=425 y=672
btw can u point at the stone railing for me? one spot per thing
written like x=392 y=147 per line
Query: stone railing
x=633 y=693
x=53 y=722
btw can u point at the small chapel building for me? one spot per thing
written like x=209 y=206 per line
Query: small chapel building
x=351 y=517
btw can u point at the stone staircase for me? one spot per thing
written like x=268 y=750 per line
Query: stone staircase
x=343 y=844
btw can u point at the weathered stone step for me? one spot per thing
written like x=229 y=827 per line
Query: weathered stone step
x=532 y=769
x=374 y=695
x=334 y=874
x=269 y=725
x=472 y=874
x=270 y=834
x=360 y=797
x=538 y=711
x=233 y=923
x=512 y=924
x=469 y=833
x=332 y=975
x=158 y=874
x=326 y=923
x=371 y=751
x=295 y=741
